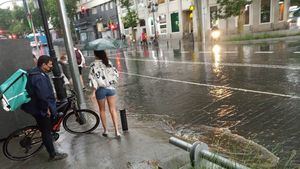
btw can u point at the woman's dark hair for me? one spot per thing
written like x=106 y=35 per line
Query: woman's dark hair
x=43 y=59
x=101 y=55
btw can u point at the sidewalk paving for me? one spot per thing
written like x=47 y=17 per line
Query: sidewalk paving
x=143 y=147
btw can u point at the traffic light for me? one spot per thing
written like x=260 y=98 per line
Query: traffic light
x=82 y=10
x=113 y=26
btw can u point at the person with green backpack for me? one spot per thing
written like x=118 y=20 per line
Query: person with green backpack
x=42 y=105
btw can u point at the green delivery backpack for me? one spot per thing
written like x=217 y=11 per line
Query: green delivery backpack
x=13 y=91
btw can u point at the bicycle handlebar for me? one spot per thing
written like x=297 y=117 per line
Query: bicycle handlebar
x=73 y=94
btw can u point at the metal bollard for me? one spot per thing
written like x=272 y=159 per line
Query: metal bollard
x=179 y=44
x=168 y=44
x=124 y=120
x=200 y=155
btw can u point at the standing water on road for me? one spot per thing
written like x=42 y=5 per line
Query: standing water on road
x=252 y=90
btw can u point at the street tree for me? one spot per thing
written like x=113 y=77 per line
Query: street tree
x=51 y=7
x=18 y=21
x=5 y=19
x=229 y=8
x=130 y=20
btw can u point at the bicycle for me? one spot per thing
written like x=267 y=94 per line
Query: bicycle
x=24 y=143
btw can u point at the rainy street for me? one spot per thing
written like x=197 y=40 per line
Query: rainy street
x=253 y=90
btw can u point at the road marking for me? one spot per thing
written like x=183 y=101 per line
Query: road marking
x=185 y=52
x=215 y=86
x=168 y=51
x=204 y=51
x=230 y=52
x=219 y=63
x=297 y=52
x=264 y=52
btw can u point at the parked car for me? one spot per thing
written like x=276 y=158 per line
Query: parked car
x=3 y=37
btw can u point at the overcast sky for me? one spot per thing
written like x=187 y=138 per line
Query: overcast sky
x=4 y=4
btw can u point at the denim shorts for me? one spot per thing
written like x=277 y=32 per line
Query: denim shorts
x=102 y=93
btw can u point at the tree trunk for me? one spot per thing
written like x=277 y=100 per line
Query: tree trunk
x=133 y=34
x=241 y=21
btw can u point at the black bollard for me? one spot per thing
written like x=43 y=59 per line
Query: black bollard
x=124 y=120
x=168 y=44
x=179 y=44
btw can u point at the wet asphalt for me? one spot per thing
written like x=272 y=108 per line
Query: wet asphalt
x=253 y=90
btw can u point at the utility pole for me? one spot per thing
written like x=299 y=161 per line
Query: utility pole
x=153 y=8
x=31 y=25
x=118 y=20
x=57 y=79
x=71 y=53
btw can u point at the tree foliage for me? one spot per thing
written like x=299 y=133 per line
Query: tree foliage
x=15 y=21
x=131 y=18
x=229 y=8
x=19 y=24
x=53 y=14
x=5 y=19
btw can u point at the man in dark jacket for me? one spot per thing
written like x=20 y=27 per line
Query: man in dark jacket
x=43 y=103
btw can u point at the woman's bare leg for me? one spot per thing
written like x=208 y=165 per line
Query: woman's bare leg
x=111 y=100
x=101 y=104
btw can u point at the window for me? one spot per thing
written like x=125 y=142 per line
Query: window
x=94 y=11
x=102 y=8
x=213 y=15
x=175 y=22
x=265 y=11
x=163 y=24
x=83 y=37
x=247 y=12
x=281 y=9
x=106 y=6
x=142 y=22
x=111 y=5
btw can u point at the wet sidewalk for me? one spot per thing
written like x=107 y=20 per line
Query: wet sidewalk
x=143 y=146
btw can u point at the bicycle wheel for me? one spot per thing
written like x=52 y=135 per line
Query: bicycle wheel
x=23 y=143
x=73 y=122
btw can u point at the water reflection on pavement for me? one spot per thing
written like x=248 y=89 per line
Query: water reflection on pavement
x=253 y=90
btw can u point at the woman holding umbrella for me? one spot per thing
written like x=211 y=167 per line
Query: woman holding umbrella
x=103 y=78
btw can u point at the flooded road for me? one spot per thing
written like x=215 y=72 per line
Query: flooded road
x=253 y=90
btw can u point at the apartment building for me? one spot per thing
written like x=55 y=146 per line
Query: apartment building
x=181 y=18
x=175 y=18
x=96 y=19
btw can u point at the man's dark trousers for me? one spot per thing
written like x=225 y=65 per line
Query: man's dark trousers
x=45 y=126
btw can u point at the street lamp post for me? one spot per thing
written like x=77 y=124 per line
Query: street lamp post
x=57 y=79
x=117 y=14
x=153 y=8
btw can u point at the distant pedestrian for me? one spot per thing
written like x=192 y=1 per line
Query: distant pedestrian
x=64 y=66
x=103 y=78
x=81 y=63
x=144 y=38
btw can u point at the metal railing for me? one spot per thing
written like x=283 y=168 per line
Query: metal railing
x=201 y=157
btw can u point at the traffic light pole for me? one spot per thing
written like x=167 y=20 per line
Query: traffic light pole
x=71 y=53
x=118 y=20
x=153 y=9
x=57 y=79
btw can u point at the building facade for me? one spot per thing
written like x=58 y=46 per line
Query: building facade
x=182 y=19
x=96 y=19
